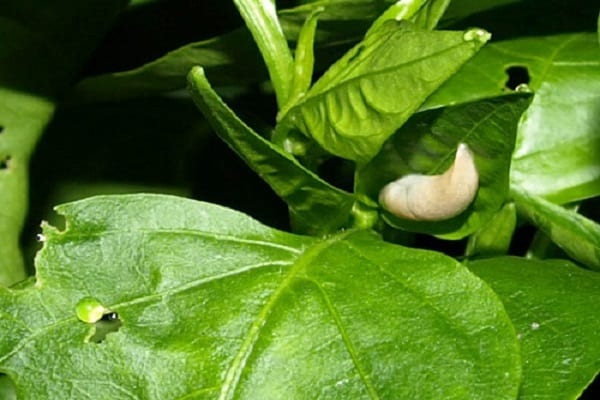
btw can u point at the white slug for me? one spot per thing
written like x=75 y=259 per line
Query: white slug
x=434 y=197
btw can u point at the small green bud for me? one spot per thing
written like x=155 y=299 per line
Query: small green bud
x=90 y=310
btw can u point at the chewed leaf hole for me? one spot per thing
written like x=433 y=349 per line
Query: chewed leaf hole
x=517 y=75
x=103 y=320
x=109 y=323
x=4 y=162
x=7 y=387
x=1 y=129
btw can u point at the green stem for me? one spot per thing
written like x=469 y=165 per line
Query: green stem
x=261 y=19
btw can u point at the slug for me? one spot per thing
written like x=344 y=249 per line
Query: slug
x=434 y=197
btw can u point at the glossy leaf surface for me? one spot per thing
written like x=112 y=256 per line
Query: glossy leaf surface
x=215 y=305
x=551 y=304
x=371 y=91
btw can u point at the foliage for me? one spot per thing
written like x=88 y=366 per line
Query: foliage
x=134 y=295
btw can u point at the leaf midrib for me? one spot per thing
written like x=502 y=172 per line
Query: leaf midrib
x=188 y=232
x=310 y=97
x=238 y=364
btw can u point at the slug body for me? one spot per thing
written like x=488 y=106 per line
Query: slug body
x=434 y=197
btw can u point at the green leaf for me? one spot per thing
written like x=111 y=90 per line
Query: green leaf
x=552 y=304
x=39 y=57
x=303 y=59
x=578 y=236
x=542 y=247
x=427 y=144
x=261 y=19
x=494 y=237
x=230 y=59
x=365 y=96
x=556 y=151
x=430 y=14
x=424 y=14
x=316 y=206
x=215 y=305
x=400 y=10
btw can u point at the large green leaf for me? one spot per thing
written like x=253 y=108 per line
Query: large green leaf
x=214 y=305
x=41 y=50
x=556 y=155
x=316 y=207
x=557 y=144
x=365 y=96
x=553 y=305
x=427 y=144
x=578 y=236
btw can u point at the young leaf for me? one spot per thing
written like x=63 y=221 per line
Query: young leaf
x=316 y=206
x=578 y=236
x=215 y=305
x=262 y=21
x=424 y=14
x=556 y=154
x=427 y=144
x=304 y=60
x=552 y=304
x=430 y=14
x=39 y=57
x=400 y=10
x=365 y=96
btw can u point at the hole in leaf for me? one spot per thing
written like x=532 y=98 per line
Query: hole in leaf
x=517 y=75
x=1 y=129
x=4 y=162
x=109 y=323
x=7 y=388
